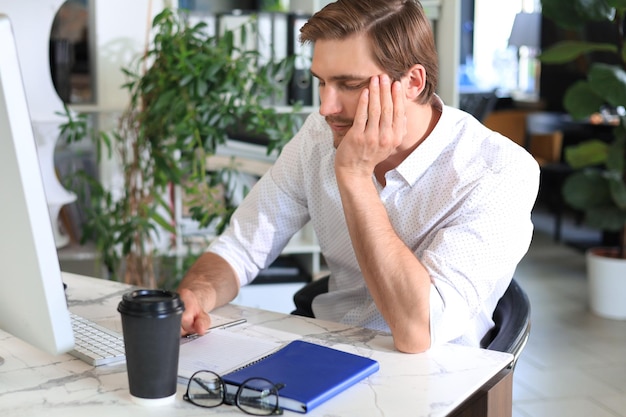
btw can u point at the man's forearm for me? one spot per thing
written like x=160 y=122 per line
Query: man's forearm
x=212 y=280
x=398 y=282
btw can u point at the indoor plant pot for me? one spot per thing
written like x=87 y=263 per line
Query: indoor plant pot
x=606 y=274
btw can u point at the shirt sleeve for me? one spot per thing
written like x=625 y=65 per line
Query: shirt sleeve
x=264 y=222
x=471 y=261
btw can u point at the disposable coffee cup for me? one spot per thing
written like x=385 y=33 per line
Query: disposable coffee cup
x=151 y=330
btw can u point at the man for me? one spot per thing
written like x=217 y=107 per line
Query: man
x=421 y=212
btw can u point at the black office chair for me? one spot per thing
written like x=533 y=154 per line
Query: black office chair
x=511 y=316
x=303 y=298
x=478 y=104
x=512 y=323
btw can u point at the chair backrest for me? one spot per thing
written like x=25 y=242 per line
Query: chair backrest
x=512 y=322
x=510 y=123
x=546 y=147
x=479 y=104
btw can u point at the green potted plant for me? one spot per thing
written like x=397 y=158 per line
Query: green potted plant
x=598 y=185
x=188 y=93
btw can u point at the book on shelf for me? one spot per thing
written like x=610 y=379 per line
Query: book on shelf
x=311 y=373
x=272 y=48
x=301 y=83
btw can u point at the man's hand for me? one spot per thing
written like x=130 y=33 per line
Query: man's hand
x=378 y=128
x=210 y=282
x=195 y=320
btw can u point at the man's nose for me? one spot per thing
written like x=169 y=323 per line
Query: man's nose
x=329 y=102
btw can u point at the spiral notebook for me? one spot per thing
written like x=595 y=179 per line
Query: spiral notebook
x=221 y=351
x=312 y=373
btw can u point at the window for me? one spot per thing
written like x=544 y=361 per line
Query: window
x=494 y=64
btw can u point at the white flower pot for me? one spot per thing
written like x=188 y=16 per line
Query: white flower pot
x=607 y=284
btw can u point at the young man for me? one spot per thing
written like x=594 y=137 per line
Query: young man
x=421 y=212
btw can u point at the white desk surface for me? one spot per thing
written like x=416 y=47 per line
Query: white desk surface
x=33 y=383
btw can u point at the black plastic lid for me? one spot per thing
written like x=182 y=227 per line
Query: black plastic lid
x=150 y=303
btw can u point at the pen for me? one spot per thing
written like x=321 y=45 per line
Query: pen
x=229 y=324
x=219 y=326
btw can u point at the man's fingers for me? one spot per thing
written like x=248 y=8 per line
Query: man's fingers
x=195 y=323
x=387 y=104
x=360 y=117
x=202 y=323
x=399 y=115
x=194 y=319
x=373 y=110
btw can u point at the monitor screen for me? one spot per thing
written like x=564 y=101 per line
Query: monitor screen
x=32 y=300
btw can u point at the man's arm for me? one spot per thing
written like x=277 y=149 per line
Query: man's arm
x=210 y=283
x=398 y=282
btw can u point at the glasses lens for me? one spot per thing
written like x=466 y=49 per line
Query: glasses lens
x=205 y=389
x=258 y=396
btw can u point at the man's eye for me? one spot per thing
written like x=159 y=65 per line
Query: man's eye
x=353 y=86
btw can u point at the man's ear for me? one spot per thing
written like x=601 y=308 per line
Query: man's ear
x=415 y=81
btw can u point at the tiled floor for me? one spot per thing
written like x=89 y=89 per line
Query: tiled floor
x=574 y=364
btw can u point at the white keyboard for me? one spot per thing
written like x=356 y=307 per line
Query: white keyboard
x=96 y=344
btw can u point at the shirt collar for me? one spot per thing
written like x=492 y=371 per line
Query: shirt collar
x=414 y=166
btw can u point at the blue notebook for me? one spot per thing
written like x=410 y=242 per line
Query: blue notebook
x=311 y=373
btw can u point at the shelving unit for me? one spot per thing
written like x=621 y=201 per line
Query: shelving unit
x=446 y=21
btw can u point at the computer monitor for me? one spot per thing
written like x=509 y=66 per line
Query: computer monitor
x=32 y=300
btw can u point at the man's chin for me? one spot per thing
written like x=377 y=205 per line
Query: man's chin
x=339 y=127
x=337 y=138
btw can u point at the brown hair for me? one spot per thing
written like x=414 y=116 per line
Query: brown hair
x=399 y=32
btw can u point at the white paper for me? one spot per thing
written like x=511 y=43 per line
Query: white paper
x=222 y=351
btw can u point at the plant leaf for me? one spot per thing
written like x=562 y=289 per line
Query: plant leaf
x=620 y=4
x=608 y=218
x=582 y=100
x=609 y=81
x=594 y=9
x=567 y=51
x=586 y=189
x=615 y=160
x=589 y=153
x=618 y=192
x=572 y=14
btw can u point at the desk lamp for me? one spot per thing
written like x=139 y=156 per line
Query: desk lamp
x=526 y=37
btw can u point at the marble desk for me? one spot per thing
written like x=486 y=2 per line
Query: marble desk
x=435 y=383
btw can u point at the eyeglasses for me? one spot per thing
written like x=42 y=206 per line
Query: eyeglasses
x=255 y=396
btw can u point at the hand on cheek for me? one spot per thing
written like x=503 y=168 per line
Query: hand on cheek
x=378 y=128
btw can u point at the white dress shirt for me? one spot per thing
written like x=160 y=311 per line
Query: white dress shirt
x=461 y=202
